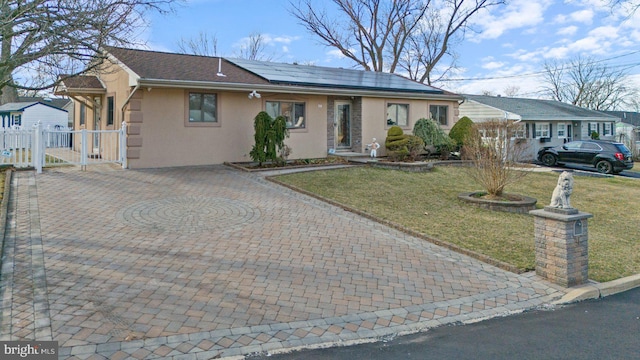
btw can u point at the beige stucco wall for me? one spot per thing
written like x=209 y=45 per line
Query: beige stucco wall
x=374 y=111
x=166 y=140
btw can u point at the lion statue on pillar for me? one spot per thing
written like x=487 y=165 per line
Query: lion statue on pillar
x=562 y=192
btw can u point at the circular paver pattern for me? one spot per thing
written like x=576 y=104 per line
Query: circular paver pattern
x=189 y=214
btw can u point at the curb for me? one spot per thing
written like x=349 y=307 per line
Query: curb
x=600 y=290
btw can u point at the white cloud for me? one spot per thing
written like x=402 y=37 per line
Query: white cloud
x=582 y=16
x=493 y=65
x=567 y=31
x=516 y=15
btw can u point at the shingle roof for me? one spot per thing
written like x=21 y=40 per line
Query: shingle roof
x=16 y=106
x=55 y=102
x=20 y=106
x=154 y=65
x=82 y=82
x=169 y=66
x=539 y=109
x=629 y=117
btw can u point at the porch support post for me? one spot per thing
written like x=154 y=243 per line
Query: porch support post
x=37 y=148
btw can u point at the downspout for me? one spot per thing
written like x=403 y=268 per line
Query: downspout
x=126 y=102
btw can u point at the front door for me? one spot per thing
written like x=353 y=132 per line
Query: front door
x=342 y=125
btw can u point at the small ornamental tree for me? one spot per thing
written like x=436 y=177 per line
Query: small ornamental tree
x=269 y=138
x=494 y=153
x=396 y=144
x=461 y=130
x=401 y=147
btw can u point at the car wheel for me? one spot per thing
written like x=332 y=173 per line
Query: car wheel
x=548 y=159
x=604 y=167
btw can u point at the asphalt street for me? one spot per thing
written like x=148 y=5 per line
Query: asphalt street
x=607 y=328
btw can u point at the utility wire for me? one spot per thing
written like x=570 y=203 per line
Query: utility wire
x=537 y=73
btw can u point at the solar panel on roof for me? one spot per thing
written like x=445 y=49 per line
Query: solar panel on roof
x=331 y=77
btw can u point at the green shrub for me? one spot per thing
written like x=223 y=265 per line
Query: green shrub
x=396 y=144
x=462 y=129
x=269 y=138
x=414 y=145
x=595 y=135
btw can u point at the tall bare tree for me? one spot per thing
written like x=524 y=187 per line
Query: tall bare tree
x=587 y=83
x=413 y=36
x=204 y=45
x=254 y=48
x=42 y=39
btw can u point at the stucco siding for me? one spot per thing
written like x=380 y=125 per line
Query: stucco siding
x=168 y=141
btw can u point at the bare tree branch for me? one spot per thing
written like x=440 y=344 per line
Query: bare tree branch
x=254 y=48
x=589 y=84
x=203 y=45
x=42 y=39
x=406 y=36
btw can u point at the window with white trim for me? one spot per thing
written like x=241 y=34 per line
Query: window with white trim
x=542 y=130
x=562 y=131
x=398 y=114
x=606 y=129
x=293 y=112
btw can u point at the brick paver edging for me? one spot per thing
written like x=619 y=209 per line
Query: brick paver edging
x=450 y=246
x=250 y=170
x=3 y=209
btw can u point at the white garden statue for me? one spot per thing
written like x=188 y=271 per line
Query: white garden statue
x=562 y=192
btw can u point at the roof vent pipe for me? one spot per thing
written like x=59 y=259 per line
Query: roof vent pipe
x=220 y=68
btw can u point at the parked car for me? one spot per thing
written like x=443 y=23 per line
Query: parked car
x=607 y=157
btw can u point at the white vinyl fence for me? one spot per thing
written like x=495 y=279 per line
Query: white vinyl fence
x=37 y=147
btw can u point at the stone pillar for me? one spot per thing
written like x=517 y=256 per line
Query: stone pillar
x=562 y=252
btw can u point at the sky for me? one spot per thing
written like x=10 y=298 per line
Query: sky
x=505 y=52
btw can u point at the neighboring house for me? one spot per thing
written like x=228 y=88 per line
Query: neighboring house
x=27 y=114
x=627 y=128
x=60 y=103
x=544 y=122
x=195 y=110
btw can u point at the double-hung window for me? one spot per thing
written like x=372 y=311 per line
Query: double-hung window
x=542 y=130
x=439 y=113
x=293 y=112
x=562 y=131
x=202 y=108
x=606 y=129
x=398 y=114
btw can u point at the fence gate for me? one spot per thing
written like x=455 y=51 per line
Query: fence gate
x=38 y=147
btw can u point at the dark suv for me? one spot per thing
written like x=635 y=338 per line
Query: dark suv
x=607 y=157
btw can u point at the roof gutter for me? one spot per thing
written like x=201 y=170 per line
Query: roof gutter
x=162 y=83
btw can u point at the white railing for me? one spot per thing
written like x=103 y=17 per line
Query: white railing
x=38 y=147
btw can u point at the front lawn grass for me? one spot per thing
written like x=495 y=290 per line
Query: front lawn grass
x=427 y=203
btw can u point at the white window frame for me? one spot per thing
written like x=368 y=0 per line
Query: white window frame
x=561 y=130
x=540 y=133
x=606 y=129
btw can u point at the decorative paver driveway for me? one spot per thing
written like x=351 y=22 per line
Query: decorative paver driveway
x=209 y=261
